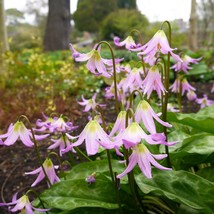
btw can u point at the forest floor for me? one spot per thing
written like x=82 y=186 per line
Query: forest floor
x=18 y=159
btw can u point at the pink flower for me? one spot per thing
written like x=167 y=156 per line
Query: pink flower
x=175 y=87
x=45 y=125
x=63 y=142
x=120 y=124
x=61 y=125
x=90 y=103
x=158 y=43
x=142 y=156
x=186 y=86
x=129 y=43
x=204 y=101
x=184 y=65
x=191 y=95
x=153 y=82
x=146 y=114
x=19 y=131
x=92 y=134
x=212 y=89
x=96 y=64
x=50 y=171
x=22 y=204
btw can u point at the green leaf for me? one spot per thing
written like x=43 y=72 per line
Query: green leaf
x=207 y=173
x=203 y=120
x=193 y=150
x=180 y=186
x=198 y=69
x=83 y=170
x=72 y=194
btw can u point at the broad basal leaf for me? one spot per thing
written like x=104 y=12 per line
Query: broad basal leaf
x=180 y=186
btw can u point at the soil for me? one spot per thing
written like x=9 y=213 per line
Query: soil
x=18 y=159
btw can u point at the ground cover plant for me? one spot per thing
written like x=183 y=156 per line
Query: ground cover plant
x=151 y=158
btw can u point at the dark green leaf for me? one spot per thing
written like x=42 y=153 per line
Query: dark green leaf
x=182 y=187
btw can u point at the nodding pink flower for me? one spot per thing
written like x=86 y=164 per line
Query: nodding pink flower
x=186 y=86
x=204 y=101
x=22 y=204
x=50 y=171
x=63 y=142
x=19 y=131
x=158 y=43
x=90 y=103
x=176 y=86
x=146 y=114
x=152 y=82
x=184 y=65
x=92 y=134
x=181 y=86
x=120 y=124
x=142 y=156
x=60 y=125
x=45 y=125
x=212 y=89
x=131 y=136
x=191 y=95
x=133 y=80
x=96 y=64
x=129 y=43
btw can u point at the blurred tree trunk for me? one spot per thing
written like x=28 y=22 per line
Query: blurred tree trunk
x=193 y=42
x=58 y=28
x=3 y=43
x=3 y=31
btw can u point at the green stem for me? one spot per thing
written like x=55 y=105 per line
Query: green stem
x=114 y=73
x=37 y=150
x=107 y=151
x=131 y=97
x=82 y=153
x=37 y=195
x=60 y=162
x=139 y=35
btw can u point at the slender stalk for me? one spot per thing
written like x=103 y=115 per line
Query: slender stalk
x=132 y=182
x=114 y=73
x=139 y=35
x=107 y=151
x=60 y=162
x=82 y=153
x=37 y=195
x=131 y=97
x=37 y=149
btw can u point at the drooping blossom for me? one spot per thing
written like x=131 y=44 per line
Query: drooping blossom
x=60 y=125
x=22 y=204
x=90 y=103
x=133 y=80
x=50 y=171
x=132 y=135
x=129 y=43
x=184 y=65
x=144 y=158
x=158 y=43
x=63 y=142
x=146 y=114
x=204 y=101
x=96 y=64
x=91 y=135
x=176 y=86
x=212 y=89
x=152 y=82
x=46 y=124
x=186 y=86
x=120 y=124
x=191 y=95
x=18 y=131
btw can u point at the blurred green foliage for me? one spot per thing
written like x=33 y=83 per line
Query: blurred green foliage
x=122 y=21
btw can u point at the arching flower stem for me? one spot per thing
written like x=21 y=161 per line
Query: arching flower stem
x=99 y=109
x=36 y=148
x=114 y=73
